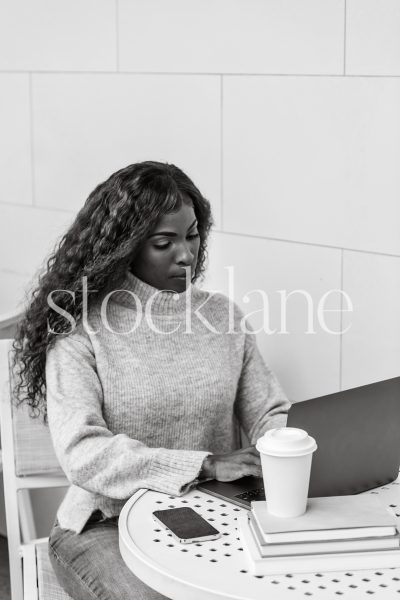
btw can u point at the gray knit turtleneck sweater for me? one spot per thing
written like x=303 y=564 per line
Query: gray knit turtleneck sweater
x=143 y=409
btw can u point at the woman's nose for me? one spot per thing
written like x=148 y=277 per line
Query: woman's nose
x=184 y=255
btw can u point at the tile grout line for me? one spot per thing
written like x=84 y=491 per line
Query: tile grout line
x=344 y=37
x=14 y=272
x=199 y=74
x=315 y=245
x=31 y=131
x=341 y=320
x=222 y=148
x=217 y=230
x=117 y=33
x=38 y=207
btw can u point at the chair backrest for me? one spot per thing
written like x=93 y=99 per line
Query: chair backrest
x=29 y=462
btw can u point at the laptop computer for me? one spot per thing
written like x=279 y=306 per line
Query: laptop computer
x=357 y=432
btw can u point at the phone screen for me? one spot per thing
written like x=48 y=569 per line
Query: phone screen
x=186 y=524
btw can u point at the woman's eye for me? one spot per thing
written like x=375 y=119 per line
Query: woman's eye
x=167 y=244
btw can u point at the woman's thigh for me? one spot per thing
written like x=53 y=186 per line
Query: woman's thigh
x=89 y=565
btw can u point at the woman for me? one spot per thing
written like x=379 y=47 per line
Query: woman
x=142 y=376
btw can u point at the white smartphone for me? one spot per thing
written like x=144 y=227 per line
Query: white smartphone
x=186 y=525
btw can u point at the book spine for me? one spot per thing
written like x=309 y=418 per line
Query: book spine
x=383 y=559
x=325 y=535
x=351 y=545
x=370 y=559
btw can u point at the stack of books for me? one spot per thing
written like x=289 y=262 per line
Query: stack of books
x=335 y=533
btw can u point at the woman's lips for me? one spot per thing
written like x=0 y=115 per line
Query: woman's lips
x=179 y=275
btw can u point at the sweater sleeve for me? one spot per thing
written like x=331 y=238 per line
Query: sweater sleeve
x=260 y=402
x=92 y=457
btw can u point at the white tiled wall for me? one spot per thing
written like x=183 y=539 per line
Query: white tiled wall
x=15 y=139
x=14 y=291
x=221 y=36
x=371 y=348
x=285 y=114
x=27 y=235
x=307 y=359
x=67 y=35
x=373 y=37
x=88 y=126
x=313 y=159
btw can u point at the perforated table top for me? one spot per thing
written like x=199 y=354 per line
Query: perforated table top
x=219 y=569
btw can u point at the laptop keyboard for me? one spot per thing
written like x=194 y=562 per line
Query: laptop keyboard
x=252 y=495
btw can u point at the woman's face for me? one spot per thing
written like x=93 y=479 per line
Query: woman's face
x=169 y=250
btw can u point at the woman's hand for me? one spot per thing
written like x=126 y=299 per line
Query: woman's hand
x=228 y=467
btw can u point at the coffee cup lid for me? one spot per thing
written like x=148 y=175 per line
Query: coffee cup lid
x=286 y=441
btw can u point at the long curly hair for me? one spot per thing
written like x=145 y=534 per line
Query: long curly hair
x=100 y=244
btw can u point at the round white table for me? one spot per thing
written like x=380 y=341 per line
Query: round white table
x=219 y=569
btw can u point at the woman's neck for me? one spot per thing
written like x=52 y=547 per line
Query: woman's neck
x=136 y=293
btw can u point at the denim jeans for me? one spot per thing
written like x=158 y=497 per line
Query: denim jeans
x=89 y=565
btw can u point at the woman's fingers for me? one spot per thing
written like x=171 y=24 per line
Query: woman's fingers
x=253 y=460
x=254 y=470
x=250 y=454
x=254 y=450
x=249 y=450
x=239 y=463
x=242 y=451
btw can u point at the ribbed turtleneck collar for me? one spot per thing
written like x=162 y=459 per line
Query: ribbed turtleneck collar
x=166 y=302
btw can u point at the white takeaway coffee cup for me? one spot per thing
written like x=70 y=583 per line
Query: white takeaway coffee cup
x=286 y=455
